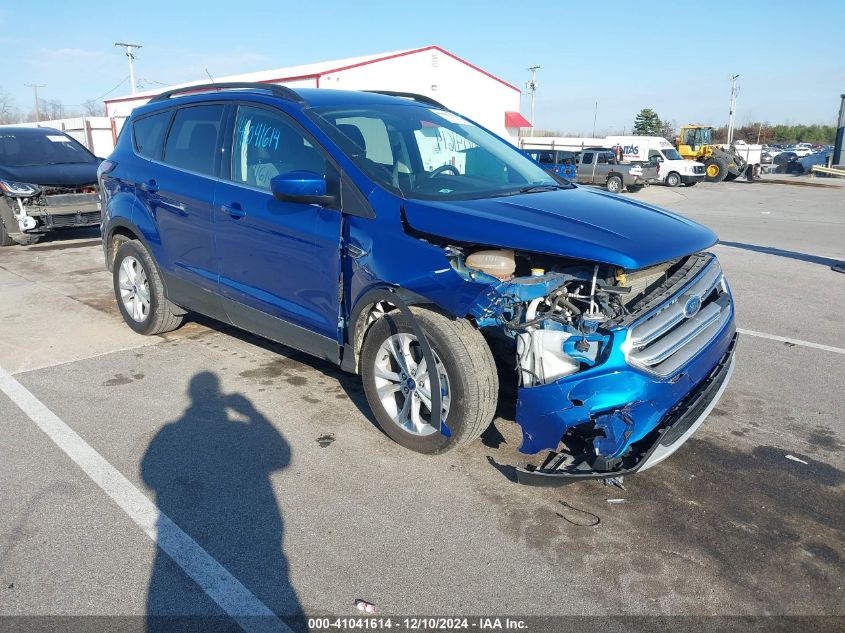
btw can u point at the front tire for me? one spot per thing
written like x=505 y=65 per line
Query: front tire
x=139 y=291
x=396 y=380
x=715 y=170
x=614 y=184
x=673 y=180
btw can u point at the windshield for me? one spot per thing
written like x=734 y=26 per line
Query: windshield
x=25 y=149
x=672 y=154
x=430 y=154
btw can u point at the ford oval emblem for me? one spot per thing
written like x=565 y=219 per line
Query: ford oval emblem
x=692 y=306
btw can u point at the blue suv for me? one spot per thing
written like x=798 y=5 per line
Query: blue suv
x=400 y=240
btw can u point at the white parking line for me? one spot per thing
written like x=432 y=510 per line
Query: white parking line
x=793 y=341
x=227 y=591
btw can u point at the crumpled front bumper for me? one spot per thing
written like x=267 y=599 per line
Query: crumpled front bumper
x=660 y=414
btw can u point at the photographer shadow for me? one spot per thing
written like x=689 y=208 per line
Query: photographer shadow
x=210 y=471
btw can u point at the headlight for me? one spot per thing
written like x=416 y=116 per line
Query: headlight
x=19 y=189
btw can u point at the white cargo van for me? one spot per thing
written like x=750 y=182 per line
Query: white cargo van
x=674 y=170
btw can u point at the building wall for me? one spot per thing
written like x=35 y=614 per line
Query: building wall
x=440 y=76
x=431 y=72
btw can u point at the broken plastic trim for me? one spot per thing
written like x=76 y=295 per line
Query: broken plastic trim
x=686 y=415
x=389 y=295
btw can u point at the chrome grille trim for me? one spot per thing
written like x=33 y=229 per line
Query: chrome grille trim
x=666 y=339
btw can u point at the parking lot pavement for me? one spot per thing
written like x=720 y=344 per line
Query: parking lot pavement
x=269 y=461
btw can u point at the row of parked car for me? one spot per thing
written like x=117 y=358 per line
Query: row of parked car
x=614 y=170
x=795 y=159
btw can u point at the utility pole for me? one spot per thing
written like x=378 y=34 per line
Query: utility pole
x=35 y=88
x=531 y=86
x=131 y=57
x=595 y=116
x=734 y=92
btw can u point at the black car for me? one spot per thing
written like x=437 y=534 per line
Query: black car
x=786 y=162
x=47 y=181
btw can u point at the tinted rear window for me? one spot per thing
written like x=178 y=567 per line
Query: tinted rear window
x=193 y=138
x=148 y=133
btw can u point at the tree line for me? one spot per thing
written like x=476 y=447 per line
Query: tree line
x=48 y=110
x=648 y=123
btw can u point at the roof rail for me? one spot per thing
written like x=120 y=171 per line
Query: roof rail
x=275 y=89
x=409 y=95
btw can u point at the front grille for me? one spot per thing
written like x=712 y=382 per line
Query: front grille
x=90 y=218
x=698 y=169
x=666 y=339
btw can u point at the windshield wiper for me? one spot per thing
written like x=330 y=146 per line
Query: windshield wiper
x=538 y=188
x=532 y=189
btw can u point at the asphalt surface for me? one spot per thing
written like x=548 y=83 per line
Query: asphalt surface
x=270 y=461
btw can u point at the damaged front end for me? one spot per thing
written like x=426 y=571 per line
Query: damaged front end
x=33 y=209
x=616 y=368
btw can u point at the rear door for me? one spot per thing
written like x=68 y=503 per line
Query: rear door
x=278 y=262
x=181 y=197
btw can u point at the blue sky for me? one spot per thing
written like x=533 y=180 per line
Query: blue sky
x=676 y=57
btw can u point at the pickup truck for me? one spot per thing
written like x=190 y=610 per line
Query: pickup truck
x=599 y=167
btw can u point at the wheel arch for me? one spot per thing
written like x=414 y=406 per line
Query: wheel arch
x=120 y=228
x=360 y=319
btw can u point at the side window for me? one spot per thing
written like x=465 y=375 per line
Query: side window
x=546 y=158
x=148 y=134
x=266 y=144
x=587 y=159
x=655 y=156
x=602 y=159
x=193 y=140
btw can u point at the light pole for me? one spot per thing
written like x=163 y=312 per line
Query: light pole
x=531 y=86
x=734 y=91
x=595 y=116
x=35 y=88
x=131 y=57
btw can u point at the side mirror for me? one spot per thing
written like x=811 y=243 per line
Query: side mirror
x=306 y=187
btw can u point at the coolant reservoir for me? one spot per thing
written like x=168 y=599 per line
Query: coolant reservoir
x=499 y=263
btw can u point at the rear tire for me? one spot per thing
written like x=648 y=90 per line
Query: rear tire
x=715 y=170
x=614 y=184
x=634 y=188
x=673 y=179
x=139 y=291
x=470 y=389
x=729 y=177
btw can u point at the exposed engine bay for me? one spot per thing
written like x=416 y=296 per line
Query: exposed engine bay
x=557 y=311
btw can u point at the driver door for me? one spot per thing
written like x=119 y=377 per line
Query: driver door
x=278 y=262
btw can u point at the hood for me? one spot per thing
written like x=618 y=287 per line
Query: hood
x=575 y=223
x=66 y=175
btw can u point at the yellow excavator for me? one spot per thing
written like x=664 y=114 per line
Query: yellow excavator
x=695 y=143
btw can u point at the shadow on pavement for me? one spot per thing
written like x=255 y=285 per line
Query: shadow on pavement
x=770 y=250
x=210 y=471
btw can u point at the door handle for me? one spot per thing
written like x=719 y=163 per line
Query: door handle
x=234 y=210
x=151 y=186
